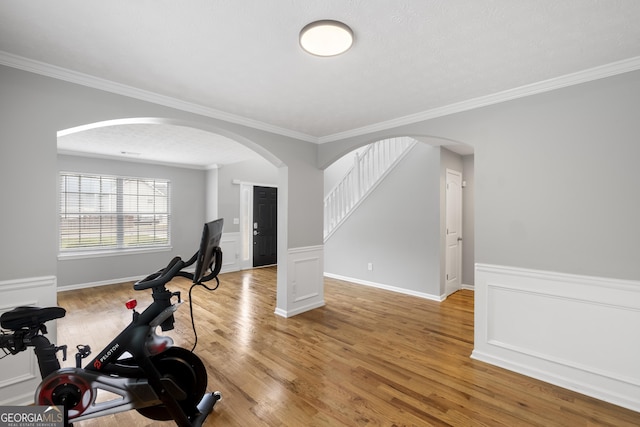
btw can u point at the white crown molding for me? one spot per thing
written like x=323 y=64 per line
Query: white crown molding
x=607 y=70
x=60 y=73
x=603 y=71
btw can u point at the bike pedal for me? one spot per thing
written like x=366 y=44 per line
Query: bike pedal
x=83 y=352
x=64 y=351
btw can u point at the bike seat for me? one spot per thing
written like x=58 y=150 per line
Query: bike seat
x=27 y=317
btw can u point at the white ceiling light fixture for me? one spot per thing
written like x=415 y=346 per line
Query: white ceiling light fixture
x=326 y=38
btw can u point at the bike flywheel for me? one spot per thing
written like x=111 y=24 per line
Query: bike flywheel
x=187 y=371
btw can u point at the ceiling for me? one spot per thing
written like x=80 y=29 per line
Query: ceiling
x=239 y=60
x=153 y=142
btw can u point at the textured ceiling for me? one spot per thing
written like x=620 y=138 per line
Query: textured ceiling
x=157 y=143
x=240 y=59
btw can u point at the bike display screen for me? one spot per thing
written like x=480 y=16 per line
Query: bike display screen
x=211 y=235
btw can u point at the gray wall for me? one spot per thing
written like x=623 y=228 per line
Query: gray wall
x=468 y=221
x=396 y=230
x=556 y=176
x=28 y=179
x=251 y=171
x=211 y=188
x=187 y=217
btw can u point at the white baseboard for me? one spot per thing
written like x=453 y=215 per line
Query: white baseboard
x=300 y=309
x=99 y=283
x=577 y=332
x=386 y=287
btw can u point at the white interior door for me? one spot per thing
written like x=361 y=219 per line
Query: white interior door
x=453 y=255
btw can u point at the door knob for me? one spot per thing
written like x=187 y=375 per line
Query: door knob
x=459 y=239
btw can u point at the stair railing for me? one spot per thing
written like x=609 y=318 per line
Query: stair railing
x=368 y=170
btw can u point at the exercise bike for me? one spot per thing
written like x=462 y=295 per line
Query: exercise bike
x=141 y=368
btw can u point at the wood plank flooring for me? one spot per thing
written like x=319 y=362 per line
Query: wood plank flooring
x=368 y=358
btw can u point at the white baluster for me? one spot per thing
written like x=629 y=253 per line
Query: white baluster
x=368 y=167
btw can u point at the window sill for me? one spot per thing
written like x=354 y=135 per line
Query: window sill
x=65 y=256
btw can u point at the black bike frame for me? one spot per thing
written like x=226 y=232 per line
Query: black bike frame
x=133 y=338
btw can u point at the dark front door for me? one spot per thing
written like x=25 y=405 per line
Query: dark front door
x=265 y=229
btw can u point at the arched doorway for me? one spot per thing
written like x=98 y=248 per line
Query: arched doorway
x=157 y=146
x=398 y=240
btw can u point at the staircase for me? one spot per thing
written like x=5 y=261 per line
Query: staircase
x=368 y=170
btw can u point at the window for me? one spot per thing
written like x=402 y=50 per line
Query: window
x=100 y=212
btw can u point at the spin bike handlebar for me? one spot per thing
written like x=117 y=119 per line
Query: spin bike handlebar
x=161 y=277
x=174 y=268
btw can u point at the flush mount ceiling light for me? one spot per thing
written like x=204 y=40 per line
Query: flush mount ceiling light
x=326 y=38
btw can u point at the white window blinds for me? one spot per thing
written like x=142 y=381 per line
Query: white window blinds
x=100 y=212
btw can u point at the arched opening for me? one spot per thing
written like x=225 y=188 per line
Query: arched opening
x=214 y=130
x=395 y=236
x=208 y=166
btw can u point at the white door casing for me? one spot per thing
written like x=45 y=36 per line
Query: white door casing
x=453 y=252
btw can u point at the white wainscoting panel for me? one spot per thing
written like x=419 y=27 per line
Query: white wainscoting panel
x=230 y=245
x=305 y=281
x=578 y=332
x=19 y=374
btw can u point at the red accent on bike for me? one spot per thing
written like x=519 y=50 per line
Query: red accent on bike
x=97 y=364
x=160 y=347
x=131 y=304
x=47 y=393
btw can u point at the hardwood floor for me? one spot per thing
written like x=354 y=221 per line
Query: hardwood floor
x=368 y=358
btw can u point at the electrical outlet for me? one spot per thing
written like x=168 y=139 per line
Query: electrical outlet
x=370 y=266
